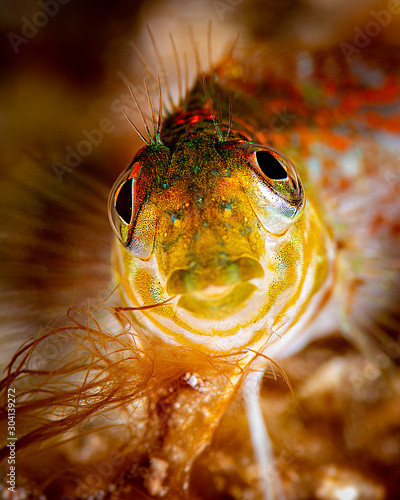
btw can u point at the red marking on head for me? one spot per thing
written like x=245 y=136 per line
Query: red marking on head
x=192 y=117
x=195 y=119
x=135 y=170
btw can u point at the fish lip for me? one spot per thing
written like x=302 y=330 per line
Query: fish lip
x=217 y=306
x=201 y=280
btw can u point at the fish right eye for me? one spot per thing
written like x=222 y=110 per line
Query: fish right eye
x=120 y=204
x=123 y=201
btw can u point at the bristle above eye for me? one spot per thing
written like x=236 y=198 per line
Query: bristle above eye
x=270 y=166
x=123 y=201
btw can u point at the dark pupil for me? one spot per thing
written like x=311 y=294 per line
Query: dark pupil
x=270 y=166
x=123 y=204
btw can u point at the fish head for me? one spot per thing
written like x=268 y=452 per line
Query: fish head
x=206 y=223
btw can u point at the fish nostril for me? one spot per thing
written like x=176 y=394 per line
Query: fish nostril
x=185 y=281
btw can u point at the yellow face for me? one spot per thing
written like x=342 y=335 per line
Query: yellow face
x=221 y=229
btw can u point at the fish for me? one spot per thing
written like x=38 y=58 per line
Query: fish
x=212 y=221
x=215 y=227
x=255 y=220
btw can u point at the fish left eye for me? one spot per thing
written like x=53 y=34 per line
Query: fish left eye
x=275 y=191
x=270 y=166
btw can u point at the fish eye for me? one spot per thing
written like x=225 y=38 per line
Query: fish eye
x=120 y=205
x=270 y=166
x=275 y=192
x=132 y=218
x=123 y=201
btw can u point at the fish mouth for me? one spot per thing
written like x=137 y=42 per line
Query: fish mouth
x=217 y=302
x=216 y=292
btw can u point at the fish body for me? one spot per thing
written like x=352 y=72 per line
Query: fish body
x=240 y=257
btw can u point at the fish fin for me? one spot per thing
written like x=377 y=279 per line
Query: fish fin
x=365 y=221
x=269 y=475
x=56 y=243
